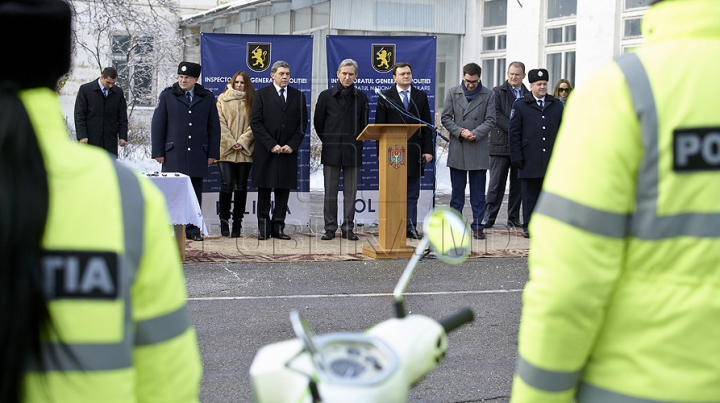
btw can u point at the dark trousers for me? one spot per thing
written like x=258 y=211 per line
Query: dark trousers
x=531 y=188
x=499 y=167
x=331 y=175
x=458 y=180
x=266 y=226
x=413 y=194
x=197 y=184
x=233 y=179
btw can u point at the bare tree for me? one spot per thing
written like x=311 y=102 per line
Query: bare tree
x=139 y=38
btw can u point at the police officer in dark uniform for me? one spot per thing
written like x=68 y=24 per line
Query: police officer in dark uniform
x=186 y=131
x=533 y=126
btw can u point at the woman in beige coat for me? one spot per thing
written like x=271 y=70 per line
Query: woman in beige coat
x=236 y=149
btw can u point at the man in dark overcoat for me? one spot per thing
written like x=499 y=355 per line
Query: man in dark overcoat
x=420 y=148
x=101 y=113
x=505 y=96
x=341 y=113
x=186 y=131
x=279 y=120
x=534 y=123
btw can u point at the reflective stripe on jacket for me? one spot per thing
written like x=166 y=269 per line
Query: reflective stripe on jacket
x=137 y=346
x=622 y=302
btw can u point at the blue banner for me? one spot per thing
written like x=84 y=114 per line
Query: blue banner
x=222 y=55
x=376 y=56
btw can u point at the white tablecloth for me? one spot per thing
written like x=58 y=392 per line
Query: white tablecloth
x=181 y=201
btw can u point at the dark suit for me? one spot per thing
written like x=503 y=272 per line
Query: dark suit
x=420 y=143
x=103 y=121
x=186 y=134
x=272 y=124
x=500 y=157
x=338 y=121
x=532 y=132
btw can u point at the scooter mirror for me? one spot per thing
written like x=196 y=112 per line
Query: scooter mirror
x=303 y=331
x=448 y=234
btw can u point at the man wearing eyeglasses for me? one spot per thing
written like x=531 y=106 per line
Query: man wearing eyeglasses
x=469 y=115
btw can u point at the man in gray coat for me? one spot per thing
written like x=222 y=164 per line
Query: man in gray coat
x=469 y=115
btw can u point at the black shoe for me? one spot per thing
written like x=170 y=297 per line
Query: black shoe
x=478 y=234
x=526 y=234
x=194 y=237
x=224 y=228
x=328 y=235
x=236 y=228
x=263 y=237
x=514 y=223
x=349 y=234
x=489 y=224
x=280 y=235
x=412 y=234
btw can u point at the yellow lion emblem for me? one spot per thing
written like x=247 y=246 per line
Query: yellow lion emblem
x=383 y=56
x=259 y=57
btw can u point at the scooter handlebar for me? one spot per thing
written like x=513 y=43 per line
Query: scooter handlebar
x=453 y=322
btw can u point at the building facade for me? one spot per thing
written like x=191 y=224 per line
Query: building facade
x=571 y=38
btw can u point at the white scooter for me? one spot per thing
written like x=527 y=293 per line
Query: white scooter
x=380 y=365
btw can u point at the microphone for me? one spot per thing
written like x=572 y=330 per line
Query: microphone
x=377 y=91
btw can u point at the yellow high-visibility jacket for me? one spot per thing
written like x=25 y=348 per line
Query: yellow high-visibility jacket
x=112 y=274
x=623 y=300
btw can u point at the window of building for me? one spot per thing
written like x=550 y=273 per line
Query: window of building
x=631 y=20
x=561 y=8
x=493 y=71
x=494 y=42
x=561 y=34
x=632 y=28
x=630 y=4
x=561 y=65
x=132 y=57
x=494 y=13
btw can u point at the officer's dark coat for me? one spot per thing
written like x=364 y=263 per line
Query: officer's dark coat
x=274 y=125
x=186 y=134
x=338 y=125
x=103 y=121
x=422 y=141
x=532 y=132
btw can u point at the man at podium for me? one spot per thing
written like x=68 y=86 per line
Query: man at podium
x=410 y=100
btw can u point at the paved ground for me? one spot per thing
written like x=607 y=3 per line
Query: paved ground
x=237 y=308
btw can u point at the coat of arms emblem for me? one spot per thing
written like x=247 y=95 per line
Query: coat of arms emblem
x=396 y=156
x=258 y=56
x=383 y=57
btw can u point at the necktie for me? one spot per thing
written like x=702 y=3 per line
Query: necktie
x=105 y=92
x=282 y=97
x=517 y=93
x=188 y=97
x=540 y=102
x=405 y=99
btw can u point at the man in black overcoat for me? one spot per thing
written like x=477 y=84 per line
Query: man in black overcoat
x=420 y=146
x=279 y=121
x=101 y=113
x=534 y=123
x=341 y=113
x=186 y=131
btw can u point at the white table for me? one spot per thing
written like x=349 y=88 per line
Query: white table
x=182 y=204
